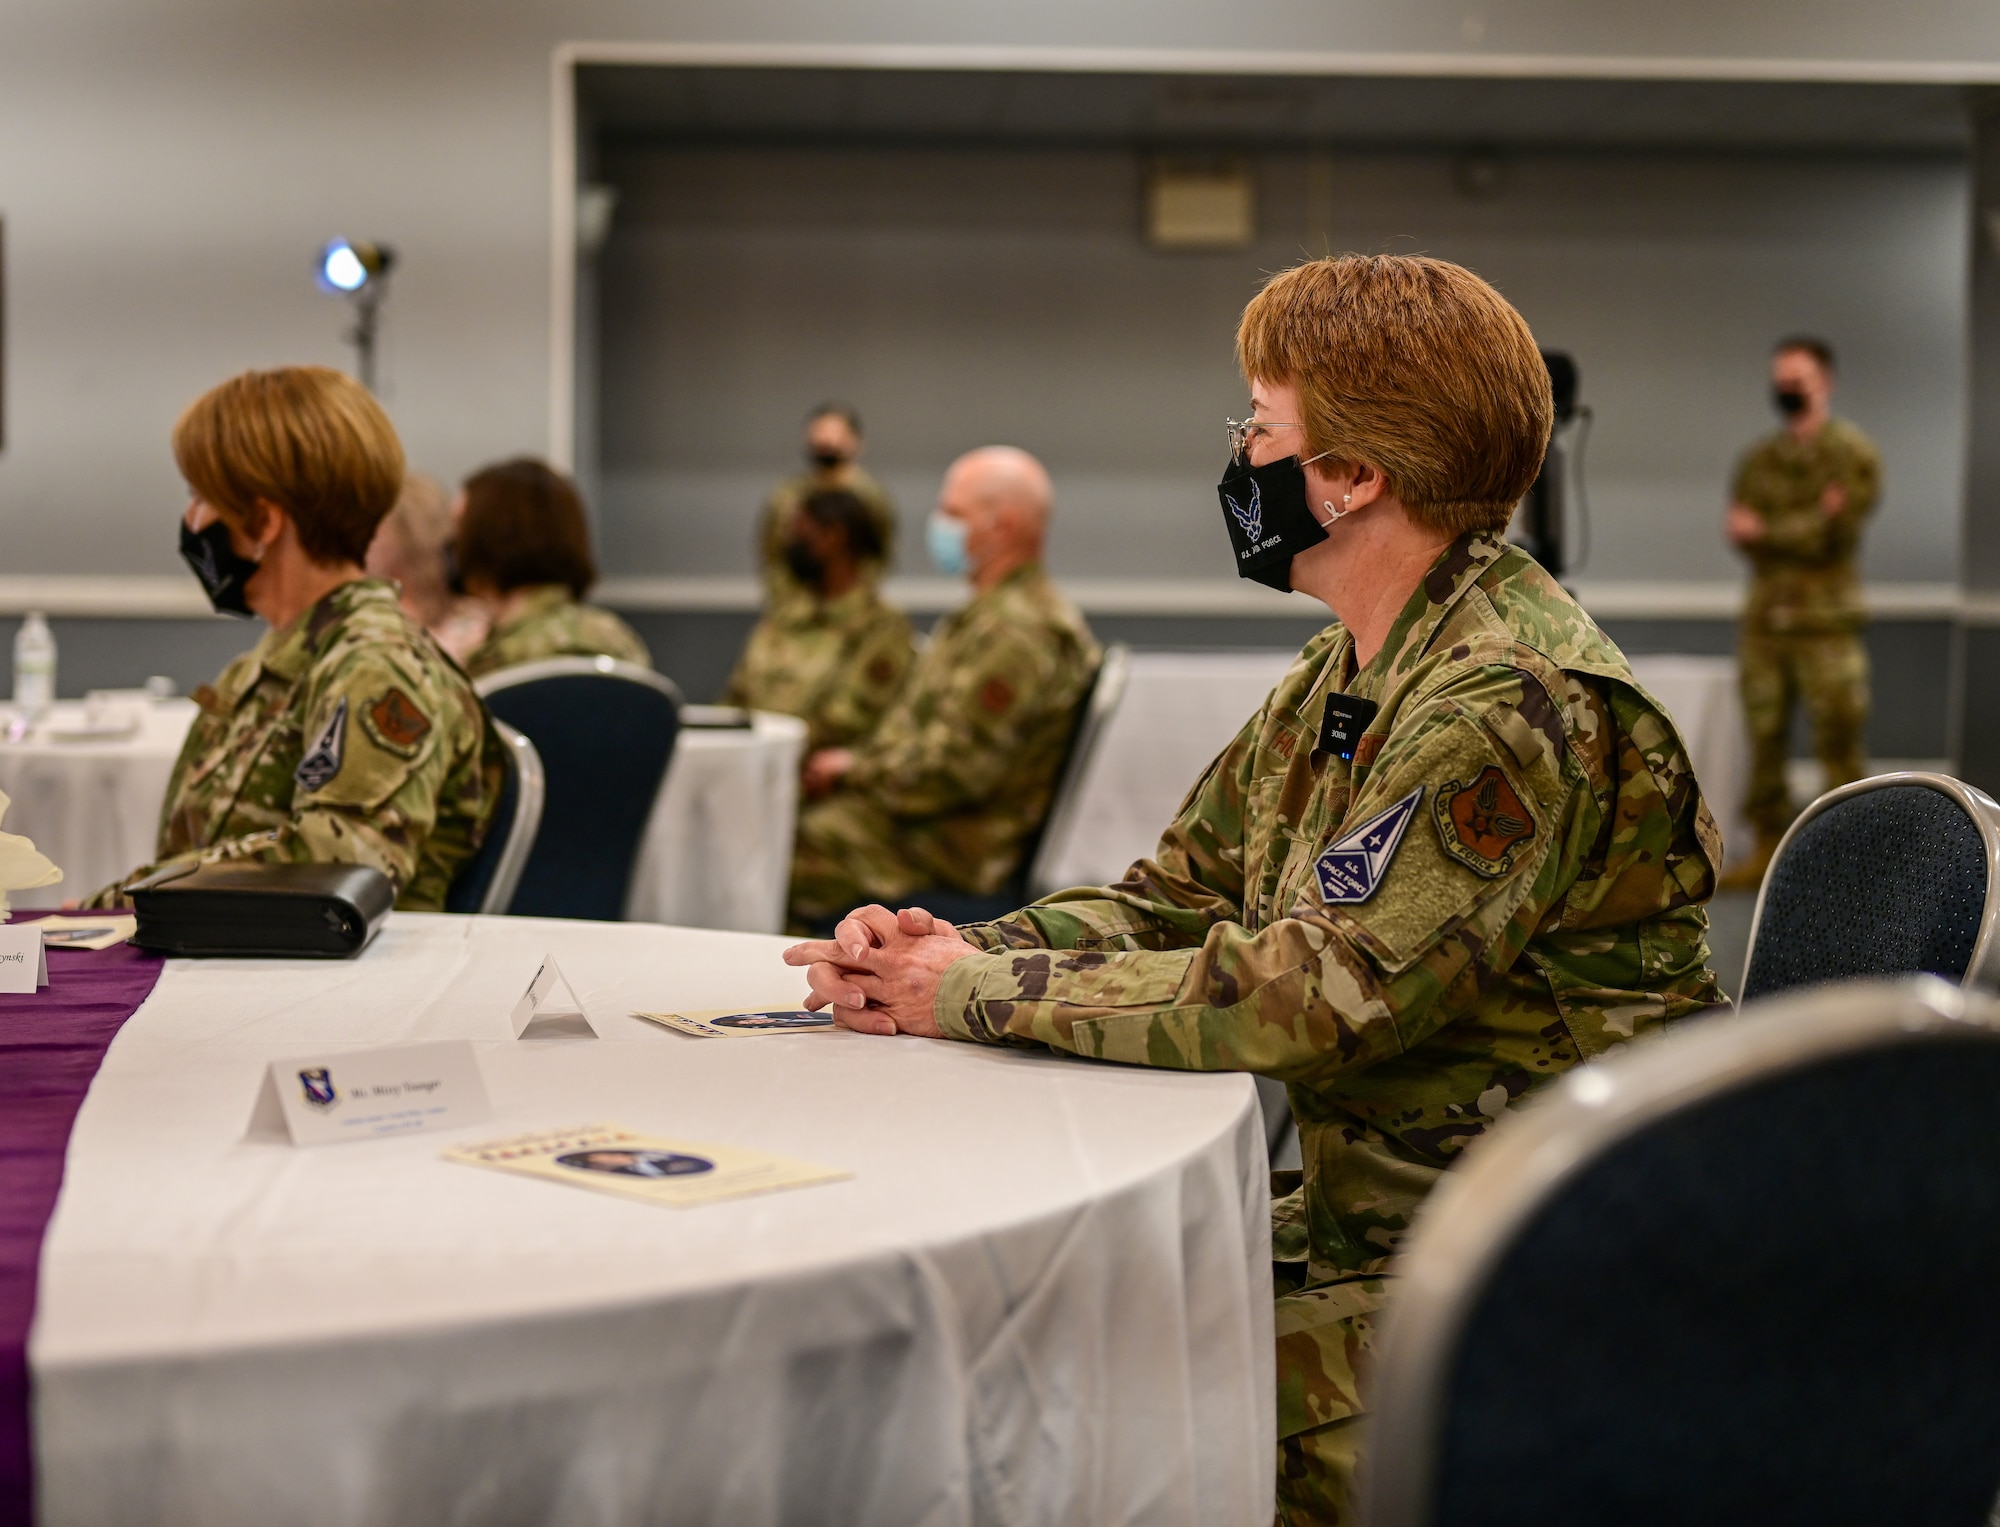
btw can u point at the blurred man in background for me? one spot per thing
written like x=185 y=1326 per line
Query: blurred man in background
x=833 y=447
x=834 y=659
x=960 y=772
x=412 y=549
x=1799 y=501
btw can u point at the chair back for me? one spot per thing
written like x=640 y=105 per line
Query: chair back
x=605 y=732
x=1739 y=1273
x=1888 y=876
x=486 y=882
x=1043 y=849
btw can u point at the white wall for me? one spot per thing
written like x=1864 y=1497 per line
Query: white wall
x=166 y=172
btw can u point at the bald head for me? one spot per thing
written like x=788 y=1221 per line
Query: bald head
x=1004 y=496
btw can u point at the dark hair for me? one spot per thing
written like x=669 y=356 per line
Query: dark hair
x=524 y=524
x=306 y=438
x=1813 y=345
x=841 y=411
x=831 y=507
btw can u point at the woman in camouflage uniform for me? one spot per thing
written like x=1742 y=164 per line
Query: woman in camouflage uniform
x=345 y=735
x=523 y=551
x=1457 y=851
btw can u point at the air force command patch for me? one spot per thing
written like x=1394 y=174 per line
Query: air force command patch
x=1483 y=823
x=323 y=759
x=1354 y=863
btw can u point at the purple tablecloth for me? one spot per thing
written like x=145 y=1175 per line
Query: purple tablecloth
x=50 y=1047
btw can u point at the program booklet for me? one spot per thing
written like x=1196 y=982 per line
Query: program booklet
x=612 y=1159
x=721 y=1023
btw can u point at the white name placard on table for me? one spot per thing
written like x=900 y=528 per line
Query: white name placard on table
x=24 y=960
x=369 y=1094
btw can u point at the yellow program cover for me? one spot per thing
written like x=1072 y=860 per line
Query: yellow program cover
x=612 y=1159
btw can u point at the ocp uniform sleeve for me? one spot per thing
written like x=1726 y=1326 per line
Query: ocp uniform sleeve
x=1327 y=988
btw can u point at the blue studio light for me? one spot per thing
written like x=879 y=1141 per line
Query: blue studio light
x=349 y=267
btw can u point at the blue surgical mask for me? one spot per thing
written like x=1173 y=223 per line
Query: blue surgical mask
x=944 y=538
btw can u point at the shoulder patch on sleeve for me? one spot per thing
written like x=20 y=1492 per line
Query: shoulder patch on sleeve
x=1355 y=862
x=1482 y=824
x=395 y=722
x=323 y=759
x=996 y=695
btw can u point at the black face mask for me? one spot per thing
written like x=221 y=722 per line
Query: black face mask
x=804 y=563
x=222 y=570
x=826 y=461
x=1264 y=510
x=1791 y=404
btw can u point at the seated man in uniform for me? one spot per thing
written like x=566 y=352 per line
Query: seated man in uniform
x=960 y=770
x=1457 y=851
x=523 y=551
x=837 y=656
x=345 y=735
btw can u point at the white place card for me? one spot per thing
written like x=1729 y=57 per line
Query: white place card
x=549 y=1006
x=369 y=1094
x=24 y=961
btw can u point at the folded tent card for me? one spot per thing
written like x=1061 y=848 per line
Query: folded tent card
x=550 y=1005
x=369 y=1094
x=24 y=961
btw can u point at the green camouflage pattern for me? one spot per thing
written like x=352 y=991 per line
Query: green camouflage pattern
x=346 y=737
x=1800 y=638
x=775 y=525
x=836 y=663
x=1544 y=902
x=1803 y=572
x=550 y=623
x=961 y=768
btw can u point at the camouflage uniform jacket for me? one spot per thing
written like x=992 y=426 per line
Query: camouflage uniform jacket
x=966 y=759
x=1508 y=879
x=835 y=662
x=345 y=737
x=779 y=584
x=549 y=623
x=1804 y=565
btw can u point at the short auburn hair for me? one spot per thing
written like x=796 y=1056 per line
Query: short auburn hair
x=523 y=524
x=309 y=439
x=1414 y=366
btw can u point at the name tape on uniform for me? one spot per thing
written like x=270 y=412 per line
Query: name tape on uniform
x=371 y=1094
x=24 y=959
x=550 y=1006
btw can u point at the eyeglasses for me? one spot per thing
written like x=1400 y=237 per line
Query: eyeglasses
x=1244 y=432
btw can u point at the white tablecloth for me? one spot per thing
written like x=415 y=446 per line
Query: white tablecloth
x=718 y=849
x=1043 y=1297
x=93 y=807
x=717 y=852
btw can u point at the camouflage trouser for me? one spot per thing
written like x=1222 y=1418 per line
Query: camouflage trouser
x=846 y=854
x=1829 y=670
x=1324 y=1336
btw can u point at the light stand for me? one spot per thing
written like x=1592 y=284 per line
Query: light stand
x=1545 y=511
x=359 y=272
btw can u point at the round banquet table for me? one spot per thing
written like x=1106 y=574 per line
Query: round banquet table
x=92 y=806
x=1044 y=1295
x=717 y=851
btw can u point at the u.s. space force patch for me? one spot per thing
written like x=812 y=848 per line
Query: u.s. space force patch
x=323 y=759
x=1355 y=862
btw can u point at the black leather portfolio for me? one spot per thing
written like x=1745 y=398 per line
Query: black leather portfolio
x=297 y=911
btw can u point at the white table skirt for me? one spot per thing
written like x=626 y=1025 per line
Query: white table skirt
x=92 y=807
x=1044 y=1297
x=717 y=851
x=718 y=847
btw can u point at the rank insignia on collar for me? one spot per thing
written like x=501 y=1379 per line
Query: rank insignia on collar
x=1354 y=863
x=323 y=759
x=1483 y=823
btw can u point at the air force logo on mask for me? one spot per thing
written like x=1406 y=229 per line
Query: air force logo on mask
x=1354 y=863
x=1251 y=519
x=323 y=759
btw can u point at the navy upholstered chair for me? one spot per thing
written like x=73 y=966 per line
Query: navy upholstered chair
x=1038 y=854
x=1893 y=875
x=605 y=731
x=1739 y=1273
x=487 y=881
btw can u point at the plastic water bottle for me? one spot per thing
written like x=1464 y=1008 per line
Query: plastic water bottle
x=34 y=667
